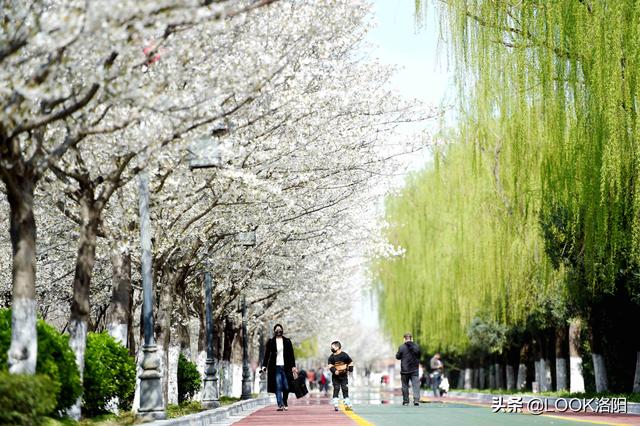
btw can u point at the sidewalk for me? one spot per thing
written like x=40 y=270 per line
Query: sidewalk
x=313 y=410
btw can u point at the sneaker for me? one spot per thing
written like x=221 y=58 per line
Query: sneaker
x=280 y=409
x=336 y=408
x=286 y=408
x=416 y=403
x=405 y=403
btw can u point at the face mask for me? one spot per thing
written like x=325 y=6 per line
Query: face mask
x=333 y=350
x=278 y=333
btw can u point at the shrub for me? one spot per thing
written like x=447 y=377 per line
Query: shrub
x=188 y=379
x=109 y=373
x=26 y=399
x=55 y=359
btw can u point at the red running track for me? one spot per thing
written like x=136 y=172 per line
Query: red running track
x=312 y=410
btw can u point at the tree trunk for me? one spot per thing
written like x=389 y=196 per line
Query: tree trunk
x=576 y=379
x=499 y=376
x=481 y=377
x=80 y=305
x=521 y=381
x=467 y=378
x=561 y=358
x=22 y=228
x=163 y=327
x=492 y=376
x=600 y=373
x=511 y=378
x=460 y=379
x=121 y=303
x=636 y=379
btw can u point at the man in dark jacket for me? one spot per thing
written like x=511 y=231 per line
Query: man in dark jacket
x=408 y=354
x=280 y=363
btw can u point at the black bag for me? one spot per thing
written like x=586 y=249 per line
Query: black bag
x=300 y=385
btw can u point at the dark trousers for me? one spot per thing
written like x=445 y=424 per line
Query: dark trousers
x=341 y=382
x=415 y=384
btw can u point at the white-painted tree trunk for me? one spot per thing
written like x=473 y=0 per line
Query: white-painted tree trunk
x=600 y=373
x=636 y=379
x=120 y=332
x=545 y=379
x=511 y=378
x=467 y=378
x=561 y=374
x=226 y=377
x=136 y=395
x=23 y=350
x=538 y=373
x=201 y=360
x=576 y=379
x=521 y=382
x=24 y=338
x=172 y=371
x=78 y=342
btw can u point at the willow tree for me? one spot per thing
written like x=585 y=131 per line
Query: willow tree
x=466 y=250
x=570 y=69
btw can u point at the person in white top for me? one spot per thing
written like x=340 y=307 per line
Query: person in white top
x=280 y=363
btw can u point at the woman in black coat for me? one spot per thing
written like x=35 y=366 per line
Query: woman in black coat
x=280 y=363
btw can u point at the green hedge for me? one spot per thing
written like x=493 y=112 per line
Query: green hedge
x=26 y=399
x=55 y=359
x=188 y=379
x=109 y=373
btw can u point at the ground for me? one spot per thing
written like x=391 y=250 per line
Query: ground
x=372 y=407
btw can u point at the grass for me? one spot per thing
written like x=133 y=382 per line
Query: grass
x=631 y=397
x=128 y=418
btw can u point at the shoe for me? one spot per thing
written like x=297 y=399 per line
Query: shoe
x=336 y=408
x=405 y=403
x=416 y=403
x=286 y=408
x=280 y=409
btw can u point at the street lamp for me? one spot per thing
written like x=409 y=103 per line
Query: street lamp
x=151 y=404
x=205 y=153
x=246 y=373
x=210 y=397
x=247 y=239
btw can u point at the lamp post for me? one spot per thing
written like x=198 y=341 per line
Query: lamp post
x=210 y=395
x=246 y=373
x=204 y=154
x=151 y=404
x=263 y=375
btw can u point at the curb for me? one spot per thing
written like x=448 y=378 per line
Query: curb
x=632 y=407
x=214 y=415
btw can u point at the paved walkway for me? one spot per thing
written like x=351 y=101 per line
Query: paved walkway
x=383 y=408
x=312 y=410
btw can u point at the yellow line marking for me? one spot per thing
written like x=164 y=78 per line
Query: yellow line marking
x=597 y=422
x=356 y=418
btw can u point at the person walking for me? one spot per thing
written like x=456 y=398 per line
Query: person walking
x=280 y=363
x=437 y=368
x=409 y=355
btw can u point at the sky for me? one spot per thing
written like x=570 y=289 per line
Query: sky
x=423 y=74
